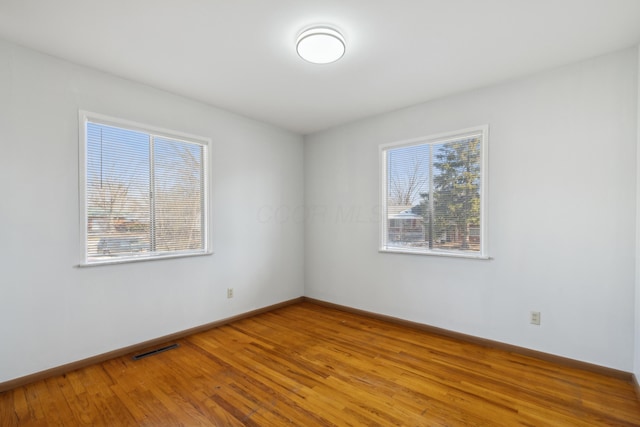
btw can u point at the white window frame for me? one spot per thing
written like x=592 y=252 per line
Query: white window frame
x=84 y=117
x=483 y=131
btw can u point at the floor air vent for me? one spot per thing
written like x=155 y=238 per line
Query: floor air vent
x=156 y=351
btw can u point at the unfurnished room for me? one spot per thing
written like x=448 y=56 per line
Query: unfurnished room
x=320 y=213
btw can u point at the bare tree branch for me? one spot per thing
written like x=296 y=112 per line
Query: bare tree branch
x=405 y=188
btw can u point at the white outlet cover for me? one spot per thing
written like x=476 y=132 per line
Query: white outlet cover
x=535 y=318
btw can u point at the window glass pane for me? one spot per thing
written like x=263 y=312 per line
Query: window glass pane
x=117 y=192
x=408 y=183
x=178 y=195
x=456 y=210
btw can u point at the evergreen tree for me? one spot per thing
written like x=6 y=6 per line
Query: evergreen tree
x=456 y=190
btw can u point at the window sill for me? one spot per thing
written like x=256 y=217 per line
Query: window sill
x=434 y=253
x=140 y=259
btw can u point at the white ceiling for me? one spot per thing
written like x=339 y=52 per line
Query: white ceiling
x=239 y=54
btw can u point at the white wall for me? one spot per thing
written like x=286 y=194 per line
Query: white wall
x=562 y=173
x=52 y=312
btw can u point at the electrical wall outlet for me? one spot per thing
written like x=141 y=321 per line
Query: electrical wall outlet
x=229 y=292
x=535 y=318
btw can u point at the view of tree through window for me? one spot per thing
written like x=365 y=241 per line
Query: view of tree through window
x=432 y=195
x=145 y=194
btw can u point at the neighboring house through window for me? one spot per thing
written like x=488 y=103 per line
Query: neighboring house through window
x=144 y=191
x=434 y=194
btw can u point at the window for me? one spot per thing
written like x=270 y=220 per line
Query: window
x=434 y=194
x=143 y=191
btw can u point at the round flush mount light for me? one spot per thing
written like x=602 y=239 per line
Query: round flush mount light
x=320 y=45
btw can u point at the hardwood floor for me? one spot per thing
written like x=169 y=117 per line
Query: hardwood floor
x=308 y=365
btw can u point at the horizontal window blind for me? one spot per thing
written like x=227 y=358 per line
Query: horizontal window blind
x=179 y=195
x=145 y=194
x=432 y=195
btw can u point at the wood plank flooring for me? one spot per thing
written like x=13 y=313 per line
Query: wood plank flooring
x=308 y=365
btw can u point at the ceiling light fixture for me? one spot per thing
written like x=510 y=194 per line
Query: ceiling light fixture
x=320 y=45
